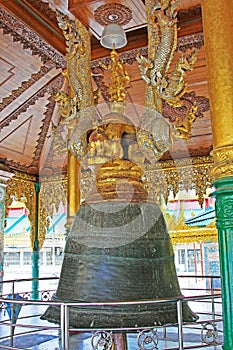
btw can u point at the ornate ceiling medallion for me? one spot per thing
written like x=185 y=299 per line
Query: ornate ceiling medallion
x=113 y=13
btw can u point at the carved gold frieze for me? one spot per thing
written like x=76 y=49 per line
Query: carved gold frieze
x=53 y=192
x=166 y=176
x=22 y=189
x=44 y=223
x=223 y=162
x=67 y=106
x=192 y=173
x=183 y=126
x=191 y=235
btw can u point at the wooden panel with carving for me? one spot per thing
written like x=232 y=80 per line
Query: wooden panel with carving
x=95 y=15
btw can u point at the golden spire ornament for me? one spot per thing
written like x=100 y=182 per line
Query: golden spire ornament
x=119 y=82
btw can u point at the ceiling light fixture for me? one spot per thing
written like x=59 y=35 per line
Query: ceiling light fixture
x=113 y=17
x=113 y=36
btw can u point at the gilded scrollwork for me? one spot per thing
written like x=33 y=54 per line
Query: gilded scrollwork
x=183 y=126
x=44 y=223
x=180 y=174
x=53 y=192
x=201 y=181
x=22 y=189
x=156 y=184
x=223 y=162
x=67 y=106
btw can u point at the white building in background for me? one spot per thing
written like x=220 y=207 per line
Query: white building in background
x=17 y=244
x=194 y=235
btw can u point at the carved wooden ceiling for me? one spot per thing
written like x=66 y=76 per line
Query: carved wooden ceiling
x=32 y=58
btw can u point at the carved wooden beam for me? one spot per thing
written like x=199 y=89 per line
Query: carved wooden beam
x=38 y=16
x=39 y=22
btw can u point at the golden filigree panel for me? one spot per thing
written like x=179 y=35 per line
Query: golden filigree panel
x=21 y=188
x=52 y=193
x=172 y=175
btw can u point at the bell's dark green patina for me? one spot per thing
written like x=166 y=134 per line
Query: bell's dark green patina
x=119 y=252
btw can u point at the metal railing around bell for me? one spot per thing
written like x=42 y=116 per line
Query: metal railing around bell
x=207 y=331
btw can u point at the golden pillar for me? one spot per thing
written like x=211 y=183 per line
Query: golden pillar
x=73 y=188
x=218 y=31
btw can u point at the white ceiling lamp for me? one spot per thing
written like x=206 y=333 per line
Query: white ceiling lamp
x=113 y=36
x=113 y=17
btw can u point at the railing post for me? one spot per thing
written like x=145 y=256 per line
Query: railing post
x=64 y=327
x=12 y=315
x=212 y=299
x=180 y=322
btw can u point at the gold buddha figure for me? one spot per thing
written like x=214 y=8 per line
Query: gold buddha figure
x=113 y=150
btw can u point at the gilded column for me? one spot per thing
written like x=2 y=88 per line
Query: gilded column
x=218 y=31
x=73 y=188
x=5 y=175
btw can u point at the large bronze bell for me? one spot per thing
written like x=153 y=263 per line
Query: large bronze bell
x=118 y=249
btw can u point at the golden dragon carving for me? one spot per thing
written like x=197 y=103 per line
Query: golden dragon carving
x=162 y=41
x=78 y=59
x=160 y=85
x=154 y=134
x=80 y=100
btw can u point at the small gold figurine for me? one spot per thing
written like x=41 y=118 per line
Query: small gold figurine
x=119 y=80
